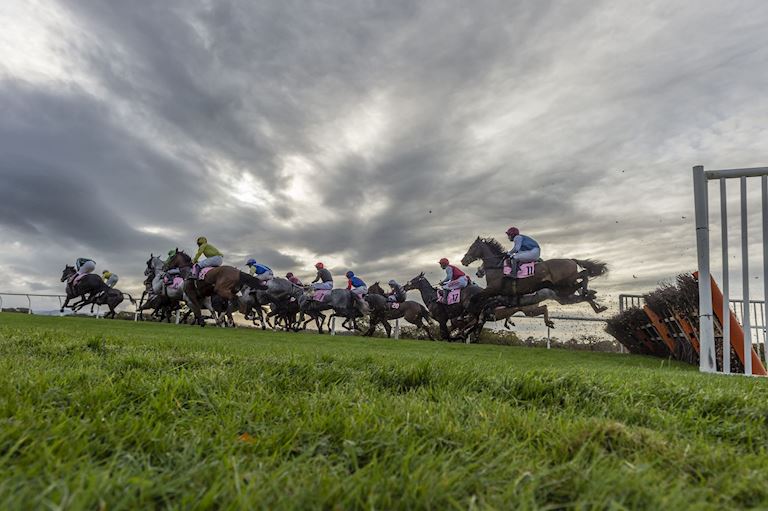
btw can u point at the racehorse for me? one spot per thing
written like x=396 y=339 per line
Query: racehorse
x=506 y=313
x=343 y=303
x=91 y=289
x=561 y=275
x=441 y=312
x=223 y=281
x=382 y=311
x=164 y=299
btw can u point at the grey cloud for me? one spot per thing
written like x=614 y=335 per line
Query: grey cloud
x=493 y=113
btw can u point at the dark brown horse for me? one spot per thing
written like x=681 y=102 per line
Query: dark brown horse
x=91 y=289
x=506 y=313
x=224 y=282
x=439 y=311
x=566 y=277
x=382 y=312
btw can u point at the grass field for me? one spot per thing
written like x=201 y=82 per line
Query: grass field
x=117 y=415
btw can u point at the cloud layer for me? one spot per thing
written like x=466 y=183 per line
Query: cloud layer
x=376 y=136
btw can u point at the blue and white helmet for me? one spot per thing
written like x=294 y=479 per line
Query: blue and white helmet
x=251 y=262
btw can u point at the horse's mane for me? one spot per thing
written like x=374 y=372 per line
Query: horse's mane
x=494 y=245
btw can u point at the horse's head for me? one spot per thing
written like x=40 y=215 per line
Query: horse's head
x=178 y=260
x=150 y=265
x=474 y=252
x=416 y=282
x=68 y=271
x=483 y=248
x=376 y=289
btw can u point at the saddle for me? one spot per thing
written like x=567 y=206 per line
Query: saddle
x=453 y=296
x=173 y=281
x=320 y=295
x=523 y=270
x=75 y=279
x=201 y=275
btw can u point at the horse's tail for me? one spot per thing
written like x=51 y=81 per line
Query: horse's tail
x=594 y=268
x=250 y=281
x=129 y=297
x=426 y=315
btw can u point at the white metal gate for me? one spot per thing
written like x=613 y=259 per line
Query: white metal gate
x=701 y=180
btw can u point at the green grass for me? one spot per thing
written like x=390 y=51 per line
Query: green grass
x=117 y=415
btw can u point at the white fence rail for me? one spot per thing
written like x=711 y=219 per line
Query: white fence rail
x=30 y=308
x=701 y=180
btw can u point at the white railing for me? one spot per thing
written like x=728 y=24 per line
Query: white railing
x=701 y=180
x=60 y=298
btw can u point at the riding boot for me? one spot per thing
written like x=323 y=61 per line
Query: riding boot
x=195 y=270
x=513 y=263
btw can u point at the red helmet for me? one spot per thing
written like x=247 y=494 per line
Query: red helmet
x=512 y=232
x=443 y=261
x=319 y=265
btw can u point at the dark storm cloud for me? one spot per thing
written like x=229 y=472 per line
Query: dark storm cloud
x=421 y=125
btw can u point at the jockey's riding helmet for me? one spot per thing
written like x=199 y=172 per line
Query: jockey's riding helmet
x=106 y=274
x=202 y=240
x=319 y=266
x=289 y=275
x=443 y=262
x=251 y=262
x=392 y=283
x=172 y=252
x=350 y=274
x=512 y=232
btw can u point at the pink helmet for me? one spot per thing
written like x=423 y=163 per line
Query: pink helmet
x=443 y=261
x=512 y=232
x=319 y=265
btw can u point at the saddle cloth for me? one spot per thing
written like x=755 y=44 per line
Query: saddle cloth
x=204 y=272
x=524 y=270
x=454 y=296
x=320 y=295
x=394 y=305
x=77 y=278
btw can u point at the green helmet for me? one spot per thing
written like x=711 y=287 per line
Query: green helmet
x=172 y=252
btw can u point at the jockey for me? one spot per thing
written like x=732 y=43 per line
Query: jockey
x=323 y=279
x=293 y=279
x=263 y=272
x=173 y=271
x=110 y=278
x=84 y=265
x=524 y=250
x=356 y=285
x=397 y=294
x=212 y=256
x=454 y=277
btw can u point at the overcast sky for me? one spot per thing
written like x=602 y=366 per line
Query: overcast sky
x=374 y=136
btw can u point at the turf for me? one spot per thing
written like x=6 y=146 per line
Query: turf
x=117 y=415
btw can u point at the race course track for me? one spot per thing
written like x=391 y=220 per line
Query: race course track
x=122 y=415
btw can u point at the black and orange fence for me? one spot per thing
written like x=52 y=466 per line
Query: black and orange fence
x=667 y=326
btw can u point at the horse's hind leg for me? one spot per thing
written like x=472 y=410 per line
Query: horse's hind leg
x=597 y=308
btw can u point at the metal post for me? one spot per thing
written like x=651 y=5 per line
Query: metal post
x=397 y=329
x=548 y=339
x=29 y=301
x=726 y=300
x=745 y=278
x=706 y=327
x=764 y=180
